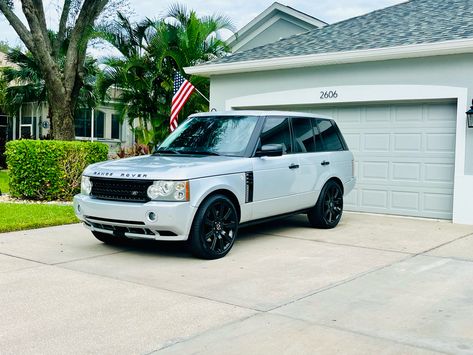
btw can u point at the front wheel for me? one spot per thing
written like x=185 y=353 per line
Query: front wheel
x=328 y=210
x=215 y=228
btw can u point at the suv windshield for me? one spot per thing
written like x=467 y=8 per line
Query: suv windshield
x=211 y=135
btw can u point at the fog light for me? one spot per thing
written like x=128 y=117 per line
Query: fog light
x=78 y=209
x=152 y=216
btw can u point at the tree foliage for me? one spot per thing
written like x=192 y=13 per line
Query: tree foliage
x=150 y=52
x=63 y=81
x=24 y=82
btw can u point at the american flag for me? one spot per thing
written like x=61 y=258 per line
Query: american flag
x=182 y=90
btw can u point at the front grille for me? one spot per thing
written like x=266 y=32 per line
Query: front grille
x=120 y=189
x=119 y=230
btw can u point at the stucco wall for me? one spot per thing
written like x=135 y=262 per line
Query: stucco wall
x=454 y=71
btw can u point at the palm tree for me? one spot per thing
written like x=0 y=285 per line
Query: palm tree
x=150 y=52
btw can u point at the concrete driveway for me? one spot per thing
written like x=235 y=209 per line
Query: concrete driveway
x=374 y=284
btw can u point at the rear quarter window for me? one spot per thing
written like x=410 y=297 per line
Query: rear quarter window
x=330 y=134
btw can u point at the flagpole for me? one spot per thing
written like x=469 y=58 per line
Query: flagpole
x=201 y=94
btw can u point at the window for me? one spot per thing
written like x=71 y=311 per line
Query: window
x=303 y=135
x=83 y=126
x=99 y=122
x=115 y=126
x=329 y=135
x=224 y=135
x=26 y=127
x=276 y=131
x=82 y=122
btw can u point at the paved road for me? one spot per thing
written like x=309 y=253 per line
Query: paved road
x=375 y=284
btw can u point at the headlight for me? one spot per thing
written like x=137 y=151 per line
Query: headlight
x=169 y=191
x=85 y=185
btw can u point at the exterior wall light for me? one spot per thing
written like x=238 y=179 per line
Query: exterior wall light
x=469 y=116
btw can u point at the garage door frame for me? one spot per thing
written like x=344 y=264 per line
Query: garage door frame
x=462 y=204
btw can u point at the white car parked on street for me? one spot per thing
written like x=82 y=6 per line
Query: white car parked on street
x=216 y=172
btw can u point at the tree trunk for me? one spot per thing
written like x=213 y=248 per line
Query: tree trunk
x=62 y=119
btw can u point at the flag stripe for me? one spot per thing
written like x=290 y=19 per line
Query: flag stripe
x=182 y=100
x=181 y=92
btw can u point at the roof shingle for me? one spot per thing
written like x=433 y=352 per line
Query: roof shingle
x=412 y=22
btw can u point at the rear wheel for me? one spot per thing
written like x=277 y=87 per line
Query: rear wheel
x=215 y=228
x=328 y=210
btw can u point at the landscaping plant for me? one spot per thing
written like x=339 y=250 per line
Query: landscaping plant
x=50 y=170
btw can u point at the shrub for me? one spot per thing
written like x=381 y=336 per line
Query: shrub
x=49 y=170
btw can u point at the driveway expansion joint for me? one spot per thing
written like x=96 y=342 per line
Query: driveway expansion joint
x=338 y=244
x=373 y=336
x=26 y=259
x=444 y=244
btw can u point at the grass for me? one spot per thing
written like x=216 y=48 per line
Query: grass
x=20 y=216
x=4 y=181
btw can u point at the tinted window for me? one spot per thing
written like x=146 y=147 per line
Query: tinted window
x=276 y=131
x=329 y=135
x=303 y=135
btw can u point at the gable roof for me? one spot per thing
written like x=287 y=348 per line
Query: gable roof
x=248 y=32
x=413 y=25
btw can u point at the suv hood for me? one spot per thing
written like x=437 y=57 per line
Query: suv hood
x=169 y=167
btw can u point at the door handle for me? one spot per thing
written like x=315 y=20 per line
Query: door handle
x=294 y=166
x=324 y=163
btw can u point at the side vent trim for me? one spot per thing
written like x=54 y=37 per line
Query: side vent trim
x=249 y=186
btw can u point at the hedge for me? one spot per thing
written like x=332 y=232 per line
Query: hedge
x=49 y=170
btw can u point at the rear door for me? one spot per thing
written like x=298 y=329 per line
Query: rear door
x=313 y=161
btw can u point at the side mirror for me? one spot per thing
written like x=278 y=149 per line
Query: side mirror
x=270 y=150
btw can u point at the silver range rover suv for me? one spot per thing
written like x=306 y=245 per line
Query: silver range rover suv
x=217 y=172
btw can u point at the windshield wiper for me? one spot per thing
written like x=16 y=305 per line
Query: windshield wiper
x=166 y=151
x=199 y=152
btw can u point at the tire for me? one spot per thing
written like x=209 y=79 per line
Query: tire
x=214 y=228
x=328 y=210
x=109 y=238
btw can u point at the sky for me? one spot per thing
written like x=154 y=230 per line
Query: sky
x=239 y=11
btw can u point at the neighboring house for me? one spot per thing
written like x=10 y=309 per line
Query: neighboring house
x=32 y=121
x=397 y=81
x=276 y=22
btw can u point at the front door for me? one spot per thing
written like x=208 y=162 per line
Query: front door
x=275 y=178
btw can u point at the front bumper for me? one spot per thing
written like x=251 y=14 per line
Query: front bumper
x=172 y=223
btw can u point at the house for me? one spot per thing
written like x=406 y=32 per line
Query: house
x=397 y=81
x=276 y=22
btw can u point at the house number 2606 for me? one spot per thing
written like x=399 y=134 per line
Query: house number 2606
x=328 y=94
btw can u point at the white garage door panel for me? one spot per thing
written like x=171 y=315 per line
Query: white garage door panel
x=404 y=156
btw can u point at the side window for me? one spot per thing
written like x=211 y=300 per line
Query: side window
x=276 y=131
x=303 y=135
x=329 y=135
x=319 y=147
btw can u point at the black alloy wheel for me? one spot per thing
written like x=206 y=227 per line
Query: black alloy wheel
x=215 y=228
x=329 y=208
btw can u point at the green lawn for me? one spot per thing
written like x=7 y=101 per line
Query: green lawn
x=4 y=181
x=18 y=216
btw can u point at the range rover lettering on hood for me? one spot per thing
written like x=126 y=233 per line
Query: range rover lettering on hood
x=128 y=175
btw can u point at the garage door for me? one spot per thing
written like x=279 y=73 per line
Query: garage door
x=404 y=156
